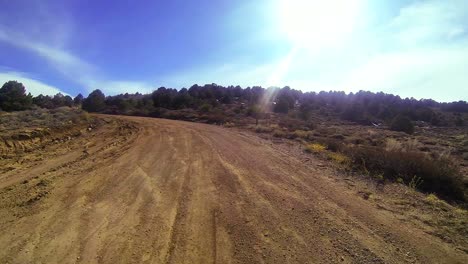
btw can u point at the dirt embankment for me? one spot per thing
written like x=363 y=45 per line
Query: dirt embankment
x=141 y=190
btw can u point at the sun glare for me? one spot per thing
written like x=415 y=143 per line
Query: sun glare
x=315 y=23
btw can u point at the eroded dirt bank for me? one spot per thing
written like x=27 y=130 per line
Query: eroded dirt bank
x=141 y=190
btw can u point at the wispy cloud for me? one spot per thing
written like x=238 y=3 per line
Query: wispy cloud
x=71 y=66
x=423 y=53
x=119 y=87
x=429 y=22
x=63 y=61
x=32 y=85
x=224 y=74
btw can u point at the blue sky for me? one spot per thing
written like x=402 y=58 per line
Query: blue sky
x=410 y=48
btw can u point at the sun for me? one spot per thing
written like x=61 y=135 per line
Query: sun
x=315 y=23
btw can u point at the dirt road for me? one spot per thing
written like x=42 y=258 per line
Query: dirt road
x=162 y=191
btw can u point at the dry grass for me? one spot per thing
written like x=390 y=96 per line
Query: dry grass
x=279 y=133
x=393 y=145
x=433 y=199
x=440 y=176
x=340 y=159
x=15 y=122
x=315 y=148
x=263 y=129
x=302 y=134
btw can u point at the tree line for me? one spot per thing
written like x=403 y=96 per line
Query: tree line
x=362 y=107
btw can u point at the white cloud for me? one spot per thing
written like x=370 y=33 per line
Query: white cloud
x=63 y=61
x=33 y=86
x=429 y=22
x=72 y=67
x=120 y=87
x=226 y=74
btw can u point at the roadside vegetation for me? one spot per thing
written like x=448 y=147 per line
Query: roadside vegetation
x=24 y=131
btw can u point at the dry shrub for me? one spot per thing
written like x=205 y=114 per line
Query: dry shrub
x=465 y=156
x=332 y=144
x=412 y=145
x=440 y=176
x=464 y=143
x=301 y=134
x=229 y=124
x=84 y=117
x=393 y=145
x=294 y=124
x=279 y=133
x=339 y=158
x=355 y=140
x=216 y=118
x=315 y=148
x=445 y=154
x=338 y=136
x=263 y=129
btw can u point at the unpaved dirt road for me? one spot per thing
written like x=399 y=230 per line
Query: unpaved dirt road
x=162 y=191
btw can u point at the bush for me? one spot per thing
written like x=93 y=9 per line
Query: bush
x=205 y=108
x=338 y=136
x=301 y=134
x=440 y=176
x=333 y=144
x=279 y=133
x=216 y=118
x=291 y=124
x=393 y=145
x=315 y=148
x=339 y=158
x=403 y=124
x=263 y=129
x=465 y=156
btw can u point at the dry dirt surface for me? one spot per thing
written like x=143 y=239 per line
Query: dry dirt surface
x=141 y=190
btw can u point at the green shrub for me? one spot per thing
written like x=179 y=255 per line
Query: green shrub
x=205 y=108
x=403 y=124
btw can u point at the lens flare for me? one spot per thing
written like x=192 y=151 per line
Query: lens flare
x=314 y=23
